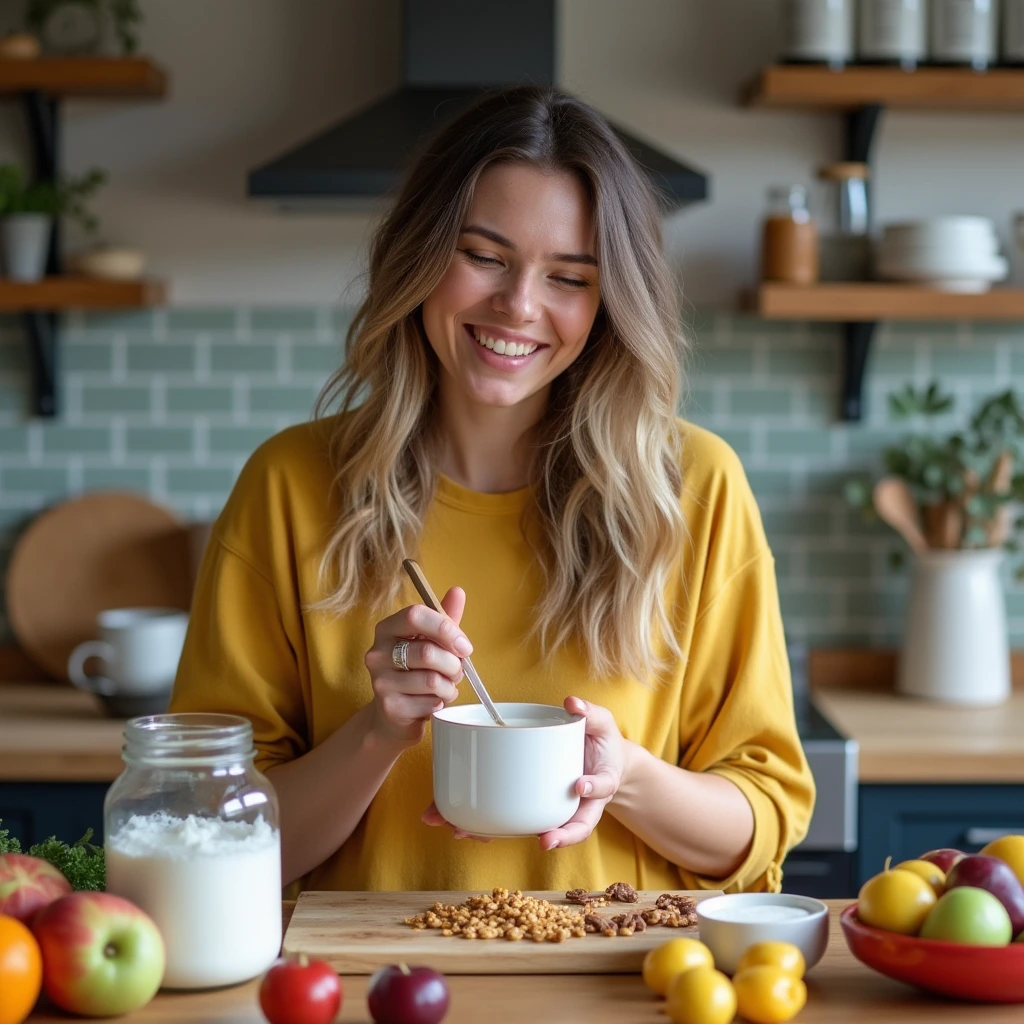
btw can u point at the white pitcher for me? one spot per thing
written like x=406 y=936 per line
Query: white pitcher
x=955 y=646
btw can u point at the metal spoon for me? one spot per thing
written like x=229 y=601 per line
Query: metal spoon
x=896 y=505
x=431 y=601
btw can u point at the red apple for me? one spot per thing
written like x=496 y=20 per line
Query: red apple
x=102 y=955
x=943 y=859
x=407 y=995
x=995 y=876
x=28 y=884
x=301 y=991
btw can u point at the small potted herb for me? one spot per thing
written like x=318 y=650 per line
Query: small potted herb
x=952 y=497
x=27 y=214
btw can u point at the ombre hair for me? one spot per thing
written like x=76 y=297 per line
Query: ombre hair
x=605 y=520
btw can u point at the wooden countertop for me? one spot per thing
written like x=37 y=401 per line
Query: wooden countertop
x=840 y=991
x=51 y=732
x=905 y=739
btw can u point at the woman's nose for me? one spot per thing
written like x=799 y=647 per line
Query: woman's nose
x=517 y=298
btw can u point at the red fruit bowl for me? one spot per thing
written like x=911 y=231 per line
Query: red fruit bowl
x=989 y=974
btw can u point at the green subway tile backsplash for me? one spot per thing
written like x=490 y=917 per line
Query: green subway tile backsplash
x=171 y=402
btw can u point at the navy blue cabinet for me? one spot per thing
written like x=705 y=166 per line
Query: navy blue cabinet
x=34 y=811
x=905 y=821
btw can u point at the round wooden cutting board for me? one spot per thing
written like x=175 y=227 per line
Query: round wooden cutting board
x=102 y=550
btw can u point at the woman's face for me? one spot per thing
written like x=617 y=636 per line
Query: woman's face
x=518 y=301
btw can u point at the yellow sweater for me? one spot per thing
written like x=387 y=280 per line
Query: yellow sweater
x=253 y=650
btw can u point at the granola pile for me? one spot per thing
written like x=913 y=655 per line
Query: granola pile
x=508 y=914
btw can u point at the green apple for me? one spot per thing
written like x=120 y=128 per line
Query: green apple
x=102 y=955
x=968 y=915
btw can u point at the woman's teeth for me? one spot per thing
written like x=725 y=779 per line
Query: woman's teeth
x=502 y=347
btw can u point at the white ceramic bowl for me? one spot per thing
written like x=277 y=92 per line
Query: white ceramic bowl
x=729 y=925
x=517 y=780
x=941 y=232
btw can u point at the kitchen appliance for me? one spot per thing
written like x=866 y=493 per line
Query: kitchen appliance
x=824 y=864
x=355 y=932
x=451 y=52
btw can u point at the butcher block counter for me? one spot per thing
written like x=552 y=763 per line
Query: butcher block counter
x=840 y=991
x=907 y=740
x=54 y=733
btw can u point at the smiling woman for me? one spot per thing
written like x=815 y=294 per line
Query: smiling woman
x=507 y=415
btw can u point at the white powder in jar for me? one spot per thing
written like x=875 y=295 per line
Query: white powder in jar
x=213 y=887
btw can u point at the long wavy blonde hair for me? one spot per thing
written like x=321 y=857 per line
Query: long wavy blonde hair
x=605 y=522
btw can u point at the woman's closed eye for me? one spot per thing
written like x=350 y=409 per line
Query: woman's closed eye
x=491 y=261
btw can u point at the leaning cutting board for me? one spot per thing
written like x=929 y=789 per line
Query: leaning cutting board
x=357 y=932
x=100 y=550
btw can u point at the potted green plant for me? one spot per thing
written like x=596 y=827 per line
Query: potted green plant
x=27 y=213
x=951 y=497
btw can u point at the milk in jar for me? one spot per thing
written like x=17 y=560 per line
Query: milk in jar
x=191 y=837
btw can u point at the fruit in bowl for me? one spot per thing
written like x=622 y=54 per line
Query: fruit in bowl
x=950 y=935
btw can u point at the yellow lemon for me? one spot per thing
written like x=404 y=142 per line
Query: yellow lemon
x=768 y=995
x=895 y=901
x=1009 y=849
x=664 y=962
x=701 y=995
x=931 y=873
x=783 y=955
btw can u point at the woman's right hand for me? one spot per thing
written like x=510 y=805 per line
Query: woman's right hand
x=404 y=701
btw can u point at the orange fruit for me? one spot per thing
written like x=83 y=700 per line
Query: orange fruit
x=21 y=970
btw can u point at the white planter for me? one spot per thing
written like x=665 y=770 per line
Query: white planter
x=25 y=243
x=955 y=646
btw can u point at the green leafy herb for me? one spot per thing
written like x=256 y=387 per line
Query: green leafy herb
x=82 y=863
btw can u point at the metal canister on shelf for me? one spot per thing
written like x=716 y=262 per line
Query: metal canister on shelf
x=818 y=32
x=1013 y=32
x=963 y=32
x=891 y=32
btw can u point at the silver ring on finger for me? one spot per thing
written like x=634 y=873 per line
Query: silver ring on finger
x=398 y=655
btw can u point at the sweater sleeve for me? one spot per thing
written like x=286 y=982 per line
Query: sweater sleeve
x=739 y=722
x=238 y=658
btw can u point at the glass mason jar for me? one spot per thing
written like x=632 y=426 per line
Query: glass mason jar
x=789 y=239
x=191 y=836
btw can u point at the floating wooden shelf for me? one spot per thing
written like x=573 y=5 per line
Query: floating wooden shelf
x=872 y=302
x=802 y=87
x=83 y=76
x=73 y=292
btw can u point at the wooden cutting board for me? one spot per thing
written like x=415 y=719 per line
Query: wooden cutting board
x=357 y=932
x=97 y=551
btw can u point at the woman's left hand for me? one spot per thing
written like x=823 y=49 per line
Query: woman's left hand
x=604 y=762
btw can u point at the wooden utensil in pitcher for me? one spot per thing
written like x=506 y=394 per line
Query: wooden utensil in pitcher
x=431 y=601
x=895 y=504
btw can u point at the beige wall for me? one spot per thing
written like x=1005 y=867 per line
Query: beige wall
x=251 y=77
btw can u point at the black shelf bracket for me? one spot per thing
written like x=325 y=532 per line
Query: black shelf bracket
x=42 y=327
x=859 y=130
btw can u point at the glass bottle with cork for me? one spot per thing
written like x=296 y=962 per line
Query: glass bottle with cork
x=789 y=240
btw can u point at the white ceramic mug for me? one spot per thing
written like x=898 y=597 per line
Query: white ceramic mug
x=139 y=647
x=513 y=780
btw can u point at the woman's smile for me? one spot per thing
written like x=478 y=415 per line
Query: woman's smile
x=501 y=349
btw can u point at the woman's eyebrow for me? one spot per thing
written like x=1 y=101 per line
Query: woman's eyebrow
x=555 y=257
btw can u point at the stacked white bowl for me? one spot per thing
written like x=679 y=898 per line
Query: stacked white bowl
x=955 y=254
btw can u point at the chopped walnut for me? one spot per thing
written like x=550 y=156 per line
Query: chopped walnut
x=593 y=923
x=652 y=917
x=673 y=918
x=674 y=901
x=629 y=923
x=623 y=892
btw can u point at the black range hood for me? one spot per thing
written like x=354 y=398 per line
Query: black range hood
x=452 y=50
